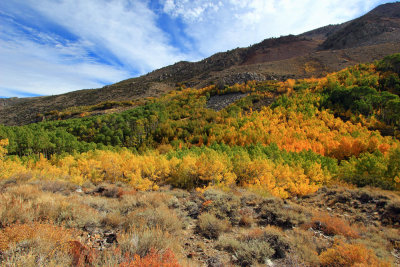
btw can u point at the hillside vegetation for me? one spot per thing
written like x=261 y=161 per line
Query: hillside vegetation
x=315 y=131
x=293 y=140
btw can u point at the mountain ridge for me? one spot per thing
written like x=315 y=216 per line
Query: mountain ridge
x=311 y=54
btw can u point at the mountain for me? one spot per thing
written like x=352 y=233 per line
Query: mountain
x=311 y=54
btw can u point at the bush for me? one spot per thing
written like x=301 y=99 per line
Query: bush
x=275 y=237
x=112 y=220
x=383 y=243
x=161 y=217
x=332 y=226
x=28 y=204
x=223 y=205
x=256 y=245
x=306 y=246
x=210 y=226
x=344 y=255
x=274 y=211
x=247 y=253
x=246 y=217
x=142 y=242
x=57 y=187
x=165 y=259
x=44 y=242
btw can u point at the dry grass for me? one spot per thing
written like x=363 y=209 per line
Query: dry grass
x=160 y=217
x=27 y=203
x=46 y=243
x=48 y=224
x=141 y=242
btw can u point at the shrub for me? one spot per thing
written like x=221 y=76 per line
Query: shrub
x=141 y=242
x=113 y=220
x=383 y=243
x=246 y=252
x=332 y=226
x=161 y=217
x=305 y=246
x=192 y=208
x=44 y=242
x=81 y=255
x=27 y=204
x=246 y=217
x=165 y=259
x=343 y=255
x=210 y=226
x=223 y=205
x=276 y=239
x=256 y=245
x=274 y=211
x=57 y=187
x=152 y=199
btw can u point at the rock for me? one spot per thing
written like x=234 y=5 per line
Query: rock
x=392 y=213
x=241 y=78
x=214 y=262
x=111 y=238
x=190 y=255
x=365 y=197
x=218 y=102
x=268 y=262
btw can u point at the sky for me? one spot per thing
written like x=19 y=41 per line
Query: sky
x=49 y=47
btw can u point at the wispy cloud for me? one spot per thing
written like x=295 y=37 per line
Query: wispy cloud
x=113 y=40
x=50 y=47
x=226 y=24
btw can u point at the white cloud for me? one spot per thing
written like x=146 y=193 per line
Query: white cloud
x=237 y=23
x=127 y=29
x=48 y=69
x=121 y=36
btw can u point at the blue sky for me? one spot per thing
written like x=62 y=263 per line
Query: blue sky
x=50 y=47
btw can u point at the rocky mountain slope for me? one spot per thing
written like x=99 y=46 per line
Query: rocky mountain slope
x=313 y=53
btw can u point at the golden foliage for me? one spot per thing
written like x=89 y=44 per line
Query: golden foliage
x=56 y=235
x=351 y=255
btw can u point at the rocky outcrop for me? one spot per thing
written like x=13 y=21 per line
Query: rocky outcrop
x=219 y=102
x=242 y=78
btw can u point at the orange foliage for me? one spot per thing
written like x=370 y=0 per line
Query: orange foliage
x=153 y=259
x=16 y=233
x=333 y=225
x=350 y=255
x=81 y=255
x=323 y=133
